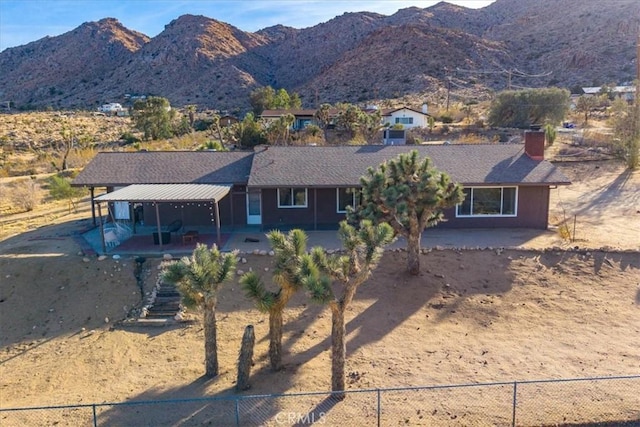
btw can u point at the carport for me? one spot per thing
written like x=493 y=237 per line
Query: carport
x=166 y=193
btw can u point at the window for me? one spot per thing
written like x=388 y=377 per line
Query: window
x=345 y=197
x=488 y=201
x=292 y=197
x=404 y=120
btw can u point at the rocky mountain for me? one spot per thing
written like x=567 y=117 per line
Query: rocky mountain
x=355 y=57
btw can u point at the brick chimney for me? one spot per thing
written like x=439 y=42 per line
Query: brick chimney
x=534 y=144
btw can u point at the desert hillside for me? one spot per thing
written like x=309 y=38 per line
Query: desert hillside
x=414 y=52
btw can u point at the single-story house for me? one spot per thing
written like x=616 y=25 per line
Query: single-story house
x=303 y=118
x=625 y=92
x=405 y=116
x=506 y=185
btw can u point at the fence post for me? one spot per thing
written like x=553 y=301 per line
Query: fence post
x=515 y=402
x=379 y=408
x=237 y=412
x=95 y=416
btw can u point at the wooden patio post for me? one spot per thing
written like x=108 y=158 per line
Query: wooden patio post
x=158 y=225
x=217 y=212
x=104 y=245
x=93 y=206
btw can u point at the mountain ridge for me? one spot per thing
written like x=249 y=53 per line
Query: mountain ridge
x=354 y=57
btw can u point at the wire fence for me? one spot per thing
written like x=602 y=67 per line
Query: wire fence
x=601 y=401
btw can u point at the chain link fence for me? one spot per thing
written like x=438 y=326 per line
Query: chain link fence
x=602 y=401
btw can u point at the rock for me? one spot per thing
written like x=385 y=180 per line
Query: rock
x=102 y=257
x=106 y=320
x=243 y=260
x=85 y=259
x=262 y=252
x=266 y=269
x=272 y=253
x=167 y=257
x=439 y=276
x=80 y=253
x=239 y=272
x=116 y=256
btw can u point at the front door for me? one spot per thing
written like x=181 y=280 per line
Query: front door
x=254 y=207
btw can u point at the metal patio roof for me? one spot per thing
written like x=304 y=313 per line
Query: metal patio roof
x=167 y=193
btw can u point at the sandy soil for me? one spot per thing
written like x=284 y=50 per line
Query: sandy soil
x=471 y=316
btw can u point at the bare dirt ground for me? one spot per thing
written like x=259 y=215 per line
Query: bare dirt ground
x=471 y=316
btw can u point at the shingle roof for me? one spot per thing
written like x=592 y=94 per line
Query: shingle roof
x=314 y=166
x=166 y=167
x=343 y=166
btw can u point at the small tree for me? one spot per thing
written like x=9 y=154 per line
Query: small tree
x=522 y=108
x=289 y=250
x=60 y=188
x=323 y=117
x=154 y=117
x=267 y=98
x=248 y=133
x=198 y=279
x=585 y=104
x=410 y=195
x=625 y=121
x=550 y=133
x=334 y=280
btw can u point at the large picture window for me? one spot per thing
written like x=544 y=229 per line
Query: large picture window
x=488 y=201
x=345 y=197
x=292 y=197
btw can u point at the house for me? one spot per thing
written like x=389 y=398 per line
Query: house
x=405 y=116
x=506 y=185
x=625 y=92
x=111 y=108
x=303 y=118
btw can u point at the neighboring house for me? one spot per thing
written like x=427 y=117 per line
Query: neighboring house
x=507 y=185
x=625 y=92
x=303 y=118
x=111 y=108
x=228 y=120
x=405 y=116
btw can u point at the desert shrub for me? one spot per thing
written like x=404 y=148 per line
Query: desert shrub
x=60 y=189
x=446 y=118
x=25 y=194
x=129 y=138
x=550 y=133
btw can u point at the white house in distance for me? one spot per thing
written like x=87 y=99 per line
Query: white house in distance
x=407 y=117
x=111 y=108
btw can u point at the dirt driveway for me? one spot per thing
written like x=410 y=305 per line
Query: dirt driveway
x=604 y=201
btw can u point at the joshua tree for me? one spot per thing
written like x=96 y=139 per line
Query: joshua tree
x=409 y=194
x=198 y=279
x=245 y=359
x=289 y=250
x=334 y=280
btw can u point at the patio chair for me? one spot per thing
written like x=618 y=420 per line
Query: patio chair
x=111 y=239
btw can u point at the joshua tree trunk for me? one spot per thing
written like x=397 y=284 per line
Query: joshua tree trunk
x=338 y=350
x=210 y=341
x=413 y=253
x=275 y=338
x=245 y=360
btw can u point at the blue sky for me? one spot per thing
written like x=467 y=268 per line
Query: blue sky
x=24 y=21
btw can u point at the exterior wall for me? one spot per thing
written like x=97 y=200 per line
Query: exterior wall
x=233 y=211
x=320 y=213
x=533 y=212
x=419 y=119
